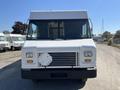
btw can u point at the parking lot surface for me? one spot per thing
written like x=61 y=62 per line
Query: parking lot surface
x=108 y=78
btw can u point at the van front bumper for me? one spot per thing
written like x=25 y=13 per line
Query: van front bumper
x=66 y=73
x=1 y=48
x=18 y=47
x=4 y=48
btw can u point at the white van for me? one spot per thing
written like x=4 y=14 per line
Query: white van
x=4 y=44
x=16 y=41
x=59 y=45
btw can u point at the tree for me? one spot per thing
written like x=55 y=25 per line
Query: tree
x=117 y=35
x=19 y=28
x=106 y=35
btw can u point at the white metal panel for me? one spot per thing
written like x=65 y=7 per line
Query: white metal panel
x=1 y=34
x=59 y=44
x=58 y=15
x=16 y=35
x=82 y=63
x=24 y=59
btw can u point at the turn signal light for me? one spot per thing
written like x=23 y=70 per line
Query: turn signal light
x=87 y=60
x=30 y=61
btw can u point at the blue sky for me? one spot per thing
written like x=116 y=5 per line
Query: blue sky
x=18 y=10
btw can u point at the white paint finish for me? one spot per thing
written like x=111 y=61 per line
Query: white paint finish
x=59 y=46
x=82 y=57
x=1 y=34
x=14 y=43
x=5 y=42
x=7 y=45
x=24 y=59
x=50 y=15
x=17 y=43
x=15 y=35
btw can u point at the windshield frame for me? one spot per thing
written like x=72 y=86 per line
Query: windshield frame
x=88 y=30
x=17 y=38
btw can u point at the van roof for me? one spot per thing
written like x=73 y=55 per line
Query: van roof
x=16 y=35
x=52 y=15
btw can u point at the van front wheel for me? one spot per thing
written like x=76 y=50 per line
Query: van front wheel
x=84 y=79
x=13 y=48
x=82 y=82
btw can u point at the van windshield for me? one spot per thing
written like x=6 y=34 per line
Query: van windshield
x=2 y=38
x=58 y=29
x=17 y=38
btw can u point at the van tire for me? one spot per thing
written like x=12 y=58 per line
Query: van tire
x=4 y=50
x=13 y=48
x=82 y=82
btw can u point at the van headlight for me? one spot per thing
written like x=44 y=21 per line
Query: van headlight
x=29 y=55
x=88 y=54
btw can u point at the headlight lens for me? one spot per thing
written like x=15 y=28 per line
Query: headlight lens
x=30 y=61
x=88 y=54
x=29 y=55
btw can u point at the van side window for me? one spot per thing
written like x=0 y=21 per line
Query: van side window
x=84 y=30
x=32 y=31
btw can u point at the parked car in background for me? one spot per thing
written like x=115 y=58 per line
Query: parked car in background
x=16 y=41
x=4 y=44
x=98 y=39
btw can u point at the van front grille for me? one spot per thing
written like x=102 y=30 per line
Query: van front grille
x=63 y=59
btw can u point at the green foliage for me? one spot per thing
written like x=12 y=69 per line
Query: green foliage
x=106 y=35
x=19 y=28
x=110 y=41
x=117 y=35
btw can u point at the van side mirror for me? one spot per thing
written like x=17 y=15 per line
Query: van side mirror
x=91 y=27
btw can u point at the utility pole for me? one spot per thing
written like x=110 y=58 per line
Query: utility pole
x=102 y=28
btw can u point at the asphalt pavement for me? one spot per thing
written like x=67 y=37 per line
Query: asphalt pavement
x=10 y=79
x=108 y=78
